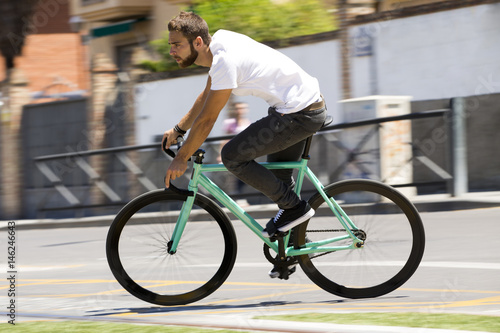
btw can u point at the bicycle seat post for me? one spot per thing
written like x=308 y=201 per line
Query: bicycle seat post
x=307 y=147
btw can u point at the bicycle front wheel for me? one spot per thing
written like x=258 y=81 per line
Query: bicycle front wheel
x=138 y=245
x=393 y=236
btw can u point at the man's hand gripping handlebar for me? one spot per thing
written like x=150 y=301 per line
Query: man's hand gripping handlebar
x=168 y=151
x=172 y=154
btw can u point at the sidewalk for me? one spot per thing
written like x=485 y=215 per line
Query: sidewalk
x=424 y=203
x=258 y=325
x=263 y=325
x=444 y=202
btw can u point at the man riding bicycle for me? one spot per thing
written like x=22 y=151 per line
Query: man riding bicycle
x=242 y=66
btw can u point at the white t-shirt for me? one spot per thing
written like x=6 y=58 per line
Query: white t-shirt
x=251 y=68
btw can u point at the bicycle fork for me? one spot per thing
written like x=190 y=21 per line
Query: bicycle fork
x=180 y=225
x=188 y=204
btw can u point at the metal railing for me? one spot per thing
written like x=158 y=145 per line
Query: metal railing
x=455 y=178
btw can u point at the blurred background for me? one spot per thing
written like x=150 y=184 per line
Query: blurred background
x=88 y=88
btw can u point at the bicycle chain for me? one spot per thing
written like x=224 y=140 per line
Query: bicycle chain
x=327 y=230
x=273 y=260
x=320 y=255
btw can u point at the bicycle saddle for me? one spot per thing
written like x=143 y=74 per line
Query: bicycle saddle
x=328 y=121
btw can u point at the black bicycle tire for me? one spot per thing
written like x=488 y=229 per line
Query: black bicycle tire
x=414 y=259
x=113 y=256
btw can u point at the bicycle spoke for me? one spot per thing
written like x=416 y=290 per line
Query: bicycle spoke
x=392 y=236
x=139 y=242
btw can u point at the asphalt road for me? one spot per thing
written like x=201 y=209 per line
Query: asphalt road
x=63 y=273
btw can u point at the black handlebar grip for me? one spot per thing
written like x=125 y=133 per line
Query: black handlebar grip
x=169 y=151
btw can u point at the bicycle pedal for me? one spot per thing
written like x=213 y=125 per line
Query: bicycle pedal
x=282 y=273
x=287 y=272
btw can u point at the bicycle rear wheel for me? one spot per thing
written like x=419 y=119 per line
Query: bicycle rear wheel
x=137 y=249
x=394 y=240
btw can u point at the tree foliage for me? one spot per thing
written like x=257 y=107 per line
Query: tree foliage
x=263 y=20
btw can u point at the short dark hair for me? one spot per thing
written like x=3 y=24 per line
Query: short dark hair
x=191 y=26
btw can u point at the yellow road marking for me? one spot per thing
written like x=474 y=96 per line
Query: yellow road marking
x=492 y=300
x=451 y=290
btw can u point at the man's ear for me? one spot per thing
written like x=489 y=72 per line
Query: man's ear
x=198 y=41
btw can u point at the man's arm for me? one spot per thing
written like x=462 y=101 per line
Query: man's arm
x=215 y=101
x=187 y=121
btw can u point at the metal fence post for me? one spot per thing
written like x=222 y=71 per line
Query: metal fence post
x=457 y=126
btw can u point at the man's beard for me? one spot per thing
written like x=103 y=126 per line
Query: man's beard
x=189 y=60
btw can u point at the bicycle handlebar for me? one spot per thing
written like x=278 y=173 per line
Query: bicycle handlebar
x=168 y=151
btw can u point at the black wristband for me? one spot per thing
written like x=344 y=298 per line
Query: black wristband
x=179 y=130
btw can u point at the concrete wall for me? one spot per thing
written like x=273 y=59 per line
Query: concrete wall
x=434 y=56
x=161 y=104
x=439 y=55
x=483 y=122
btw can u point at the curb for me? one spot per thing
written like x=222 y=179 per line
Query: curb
x=260 y=325
x=425 y=203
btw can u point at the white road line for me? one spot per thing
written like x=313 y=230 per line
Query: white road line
x=430 y=264
x=23 y=269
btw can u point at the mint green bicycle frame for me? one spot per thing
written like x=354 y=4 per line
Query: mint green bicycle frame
x=199 y=178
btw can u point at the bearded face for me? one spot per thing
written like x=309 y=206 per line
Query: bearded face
x=190 y=59
x=182 y=49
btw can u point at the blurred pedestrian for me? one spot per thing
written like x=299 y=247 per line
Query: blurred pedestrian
x=236 y=122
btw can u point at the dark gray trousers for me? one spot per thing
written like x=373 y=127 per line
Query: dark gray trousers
x=282 y=138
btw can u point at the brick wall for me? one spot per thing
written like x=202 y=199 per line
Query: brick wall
x=51 y=49
x=50 y=56
x=51 y=16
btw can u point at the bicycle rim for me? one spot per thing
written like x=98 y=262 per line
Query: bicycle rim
x=138 y=244
x=392 y=251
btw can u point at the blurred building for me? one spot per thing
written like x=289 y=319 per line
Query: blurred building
x=52 y=67
x=117 y=27
x=78 y=56
x=53 y=58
